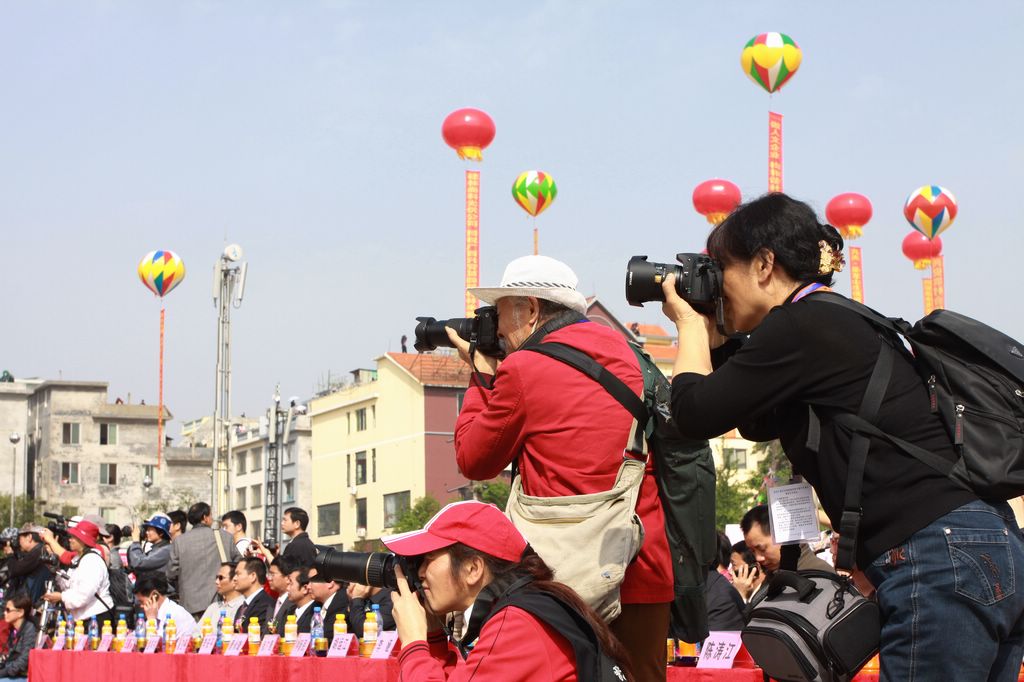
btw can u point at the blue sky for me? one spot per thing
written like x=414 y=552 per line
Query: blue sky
x=309 y=133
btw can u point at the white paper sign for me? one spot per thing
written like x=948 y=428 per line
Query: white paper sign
x=58 y=644
x=793 y=515
x=719 y=650
x=209 y=641
x=183 y=644
x=151 y=644
x=386 y=642
x=129 y=643
x=301 y=645
x=82 y=643
x=238 y=642
x=343 y=645
x=268 y=646
x=105 y=642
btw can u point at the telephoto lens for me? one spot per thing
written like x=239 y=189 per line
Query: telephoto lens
x=698 y=280
x=376 y=569
x=481 y=330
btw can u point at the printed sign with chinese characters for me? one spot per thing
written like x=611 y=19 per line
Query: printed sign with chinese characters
x=343 y=645
x=719 y=650
x=386 y=642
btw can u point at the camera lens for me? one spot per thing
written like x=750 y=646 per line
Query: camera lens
x=643 y=280
x=376 y=569
x=431 y=333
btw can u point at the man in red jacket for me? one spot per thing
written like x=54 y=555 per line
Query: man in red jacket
x=567 y=433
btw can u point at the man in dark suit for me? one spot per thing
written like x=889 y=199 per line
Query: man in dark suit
x=249 y=578
x=301 y=599
x=330 y=594
x=293 y=524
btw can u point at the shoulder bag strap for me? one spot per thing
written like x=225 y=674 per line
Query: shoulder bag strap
x=220 y=546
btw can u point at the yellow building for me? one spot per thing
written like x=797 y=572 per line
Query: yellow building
x=382 y=442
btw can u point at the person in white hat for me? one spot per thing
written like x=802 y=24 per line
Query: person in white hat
x=564 y=430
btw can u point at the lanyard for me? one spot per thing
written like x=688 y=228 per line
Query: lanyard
x=809 y=289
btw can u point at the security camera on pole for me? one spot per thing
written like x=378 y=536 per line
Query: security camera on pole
x=228 y=288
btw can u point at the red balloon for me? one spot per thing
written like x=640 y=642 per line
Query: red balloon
x=849 y=213
x=715 y=199
x=920 y=249
x=468 y=132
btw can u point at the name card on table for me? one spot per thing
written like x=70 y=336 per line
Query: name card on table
x=385 y=646
x=183 y=645
x=151 y=644
x=301 y=645
x=343 y=645
x=105 y=643
x=58 y=644
x=268 y=646
x=238 y=642
x=129 y=643
x=82 y=643
x=719 y=650
x=209 y=641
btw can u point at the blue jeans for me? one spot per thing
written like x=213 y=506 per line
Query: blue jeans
x=950 y=605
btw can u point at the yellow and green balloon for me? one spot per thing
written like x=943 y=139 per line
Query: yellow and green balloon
x=534 y=191
x=771 y=59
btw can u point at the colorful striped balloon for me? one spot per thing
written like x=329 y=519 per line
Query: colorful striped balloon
x=534 y=191
x=161 y=271
x=930 y=210
x=771 y=59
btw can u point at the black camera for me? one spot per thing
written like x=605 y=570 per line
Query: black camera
x=59 y=525
x=376 y=569
x=481 y=330
x=698 y=281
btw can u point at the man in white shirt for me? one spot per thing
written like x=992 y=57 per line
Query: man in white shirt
x=151 y=595
x=228 y=598
x=234 y=523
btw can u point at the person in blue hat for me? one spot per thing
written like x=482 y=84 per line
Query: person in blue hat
x=155 y=554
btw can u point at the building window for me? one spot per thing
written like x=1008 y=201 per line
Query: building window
x=108 y=434
x=373 y=415
x=256 y=498
x=373 y=465
x=348 y=470
x=735 y=458
x=361 y=419
x=68 y=473
x=361 y=467
x=459 y=397
x=256 y=459
x=149 y=470
x=108 y=512
x=328 y=519
x=289 y=490
x=108 y=474
x=240 y=499
x=348 y=417
x=71 y=434
x=395 y=505
x=361 y=515
x=254 y=528
x=286 y=455
x=240 y=458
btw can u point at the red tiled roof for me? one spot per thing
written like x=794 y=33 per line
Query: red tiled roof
x=434 y=369
x=661 y=352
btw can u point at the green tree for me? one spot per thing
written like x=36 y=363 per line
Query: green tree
x=775 y=464
x=24 y=510
x=734 y=495
x=493 y=492
x=416 y=516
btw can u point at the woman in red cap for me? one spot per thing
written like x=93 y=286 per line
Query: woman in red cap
x=86 y=590
x=522 y=625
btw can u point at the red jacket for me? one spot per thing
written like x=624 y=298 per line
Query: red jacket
x=569 y=435
x=513 y=645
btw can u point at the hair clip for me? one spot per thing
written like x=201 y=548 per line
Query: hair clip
x=826 y=258
x=838 y=261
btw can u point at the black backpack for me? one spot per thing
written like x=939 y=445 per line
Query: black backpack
x=975 y=378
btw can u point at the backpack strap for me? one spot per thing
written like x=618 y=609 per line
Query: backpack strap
x=220 y=545
x=615 y=386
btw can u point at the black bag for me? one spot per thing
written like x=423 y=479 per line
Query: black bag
x=975 y=377
x=811 y=626
x=120 y=587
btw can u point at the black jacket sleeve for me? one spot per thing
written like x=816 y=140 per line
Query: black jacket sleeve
x=26 y=563
x=17 y=660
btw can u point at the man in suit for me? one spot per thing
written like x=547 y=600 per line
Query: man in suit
x=250 y=574
x=196 y=557
x=277 y=576
x=301 y=597
x=301 y=548
x=330 y=594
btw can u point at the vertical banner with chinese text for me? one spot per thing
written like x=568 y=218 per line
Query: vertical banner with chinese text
x=856 y=275
x=472 y=237
x=774 y=152
x=926 y=286
x=938 y=283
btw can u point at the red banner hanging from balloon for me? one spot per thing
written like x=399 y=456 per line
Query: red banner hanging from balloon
x=926 y=287
x=938 y=283
x=774 y=152
x=856 y=275
x=472 y=237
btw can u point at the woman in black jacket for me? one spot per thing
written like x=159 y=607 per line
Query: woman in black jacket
x=22 y=639
x=936 y=554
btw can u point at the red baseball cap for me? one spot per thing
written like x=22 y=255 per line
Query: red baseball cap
x=481 y=526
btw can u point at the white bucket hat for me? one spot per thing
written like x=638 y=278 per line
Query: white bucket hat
x=538 y=276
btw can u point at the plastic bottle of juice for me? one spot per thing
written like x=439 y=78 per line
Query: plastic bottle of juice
x=291 y=633
x=205 y=628
x=340 y=624
x=151 y=630
x=60 y=628
x=106 y=630
x=79 y=630
x=170 y=636
x=140 y=632
x=369 y=634
x=316 y=631
x=69 y=632
x=94 y=634
x=120 y=633
x=254 y=636
x=227 y=631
